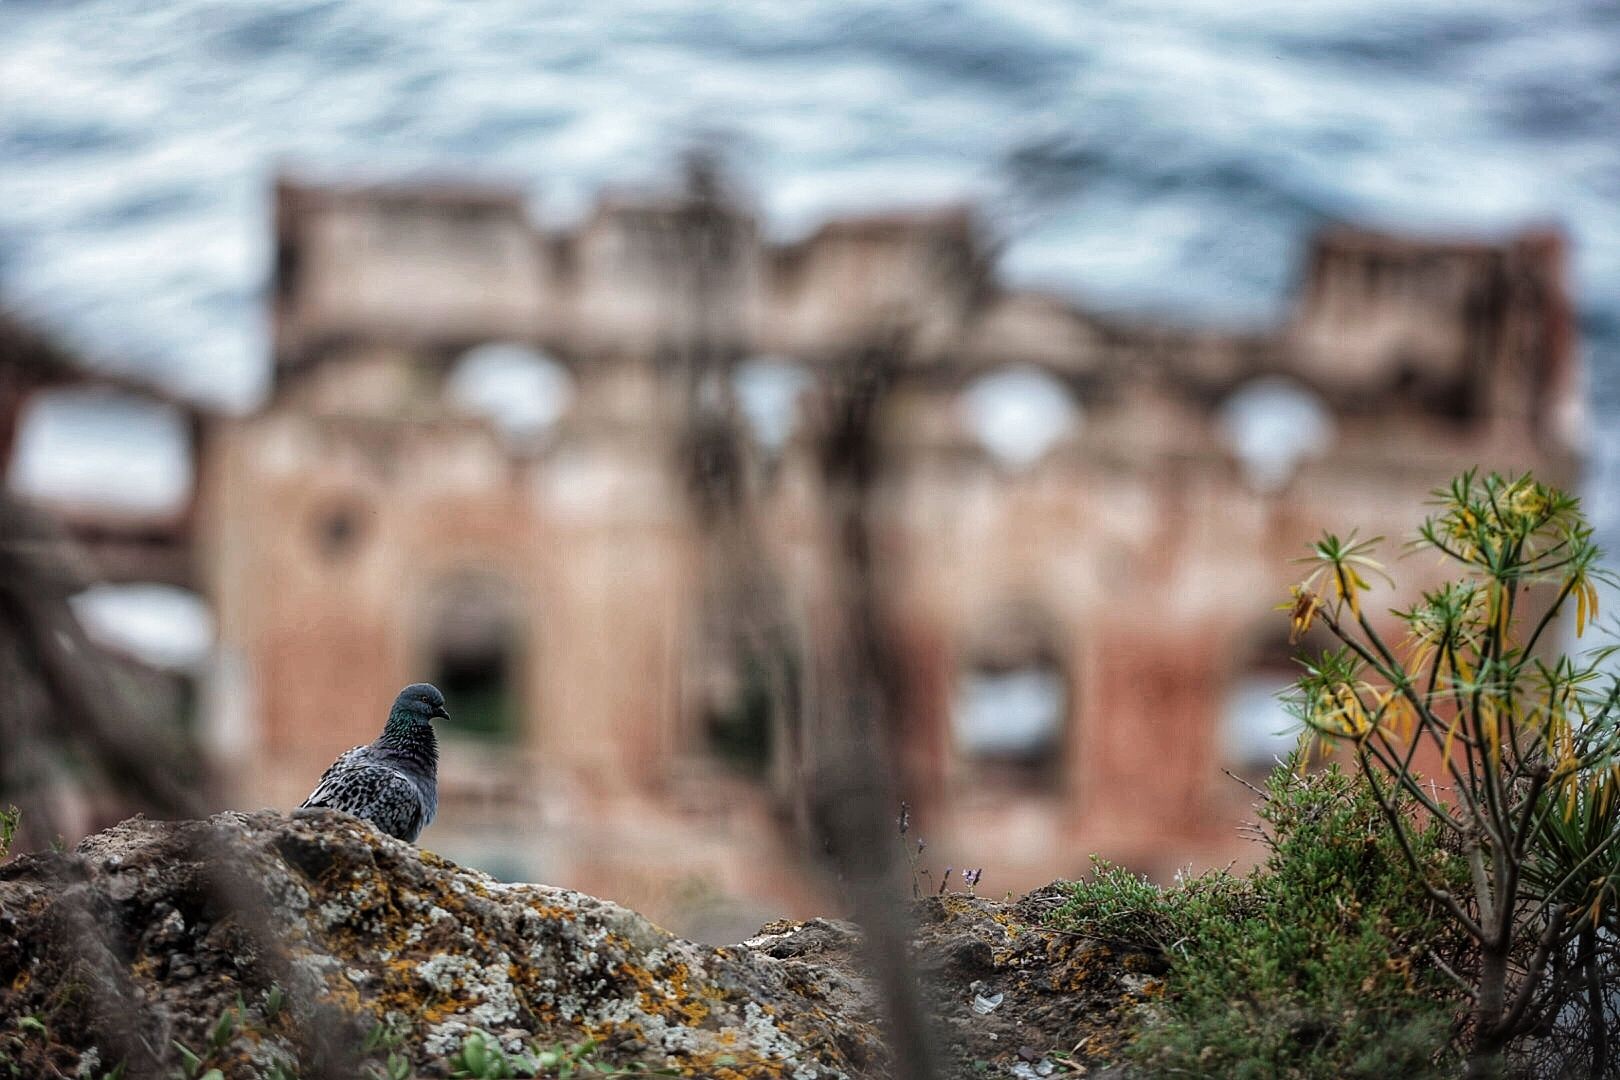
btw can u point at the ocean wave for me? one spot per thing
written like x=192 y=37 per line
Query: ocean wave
x=1167 y=155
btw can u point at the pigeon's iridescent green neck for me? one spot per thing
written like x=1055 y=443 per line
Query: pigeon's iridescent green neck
x=399 y=723
x=408 y=734
x=405 y=726
x=411 y=739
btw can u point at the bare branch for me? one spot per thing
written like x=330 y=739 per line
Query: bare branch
x=1439 y=895
x=1532 y=975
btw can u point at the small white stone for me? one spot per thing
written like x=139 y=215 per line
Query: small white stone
x=984 y=1005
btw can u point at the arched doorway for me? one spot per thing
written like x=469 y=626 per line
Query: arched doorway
x=474 y=653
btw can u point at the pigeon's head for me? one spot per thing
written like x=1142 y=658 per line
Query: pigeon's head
x=418 y=703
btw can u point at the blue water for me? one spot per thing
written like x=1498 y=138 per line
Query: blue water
x=1159 y=155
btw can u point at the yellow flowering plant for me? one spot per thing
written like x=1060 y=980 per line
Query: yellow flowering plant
x=1523 y=744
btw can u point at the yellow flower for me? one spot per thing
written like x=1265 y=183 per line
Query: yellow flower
x=1303 y=611
x=1340 y=712
x=1349 y=584
x=1526 y=502
x=1394 y=713
x=1586 y=601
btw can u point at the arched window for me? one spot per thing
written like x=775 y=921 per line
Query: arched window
x=1013 y=713
x=746 y=672
x=338 y=528
x=94 y=448
x=769 y=390
x=1012 y=699
x=475 y=654
x=1257 y=729
x=1018 y=414
x=522 y=390
x=744 y=701
x=1273 y=425
x=162 y=626
x=161 y=639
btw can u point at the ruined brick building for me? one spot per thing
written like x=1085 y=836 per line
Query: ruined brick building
x=511 y=460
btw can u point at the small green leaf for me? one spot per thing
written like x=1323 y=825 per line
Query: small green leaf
x=189 y=1061
x=473 y=1054
x=223 y=1030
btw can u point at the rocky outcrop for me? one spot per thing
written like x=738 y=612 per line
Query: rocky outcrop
x=313 y=945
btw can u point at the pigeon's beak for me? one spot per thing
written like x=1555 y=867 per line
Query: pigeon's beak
x=439 y=713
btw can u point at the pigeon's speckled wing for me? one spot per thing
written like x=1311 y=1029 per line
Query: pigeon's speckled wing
x=381 y=794
x=323 y=786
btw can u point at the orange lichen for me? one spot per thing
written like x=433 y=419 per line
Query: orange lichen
x=1008 y=923
x=551 y=911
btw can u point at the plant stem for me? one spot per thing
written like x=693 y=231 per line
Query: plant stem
x=1595 y=1003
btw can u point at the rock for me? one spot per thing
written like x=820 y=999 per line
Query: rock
x=1067 y=998
x=320 y=945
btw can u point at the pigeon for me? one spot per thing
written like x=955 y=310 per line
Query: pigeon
x=393 y=781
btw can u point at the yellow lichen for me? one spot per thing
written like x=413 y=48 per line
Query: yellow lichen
x=1136 y=962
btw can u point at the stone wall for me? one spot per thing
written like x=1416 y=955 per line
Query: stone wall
x=1128 y=569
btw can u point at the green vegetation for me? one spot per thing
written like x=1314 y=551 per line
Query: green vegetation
x=8 y=829
x=1317 y=964
x=482 y=1058
x=1404 y=924
x=382 y=1056
x=1399 y=924
x=1527 y=745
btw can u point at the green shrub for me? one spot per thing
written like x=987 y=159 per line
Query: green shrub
x=1527 y=741
x=1320 y=963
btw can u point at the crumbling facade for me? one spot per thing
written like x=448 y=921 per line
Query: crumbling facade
x=1082 y=525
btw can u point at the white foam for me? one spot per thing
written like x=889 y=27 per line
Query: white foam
x=139 y=141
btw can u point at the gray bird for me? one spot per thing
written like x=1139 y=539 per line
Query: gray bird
x=393 y=781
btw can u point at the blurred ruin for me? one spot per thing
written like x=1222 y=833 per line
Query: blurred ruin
x=707 y=537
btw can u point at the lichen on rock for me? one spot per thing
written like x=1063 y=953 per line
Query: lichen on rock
x=314 y=932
